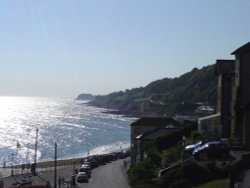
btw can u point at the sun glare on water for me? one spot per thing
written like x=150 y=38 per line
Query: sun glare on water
x=72 y=124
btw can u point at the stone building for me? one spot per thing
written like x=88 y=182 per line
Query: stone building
x=149 y=136
x=210 y=125
x=242 y=94
x=147 y=124
x=233 y=98
x=225 y=70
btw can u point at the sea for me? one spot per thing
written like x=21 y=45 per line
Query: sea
x=76 y=128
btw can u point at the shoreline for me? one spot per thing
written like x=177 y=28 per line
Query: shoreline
x=50 y=163
x=73 y=163
x=66 y=162
x=125 y=113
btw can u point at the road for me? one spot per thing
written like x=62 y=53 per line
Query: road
x=111 y=175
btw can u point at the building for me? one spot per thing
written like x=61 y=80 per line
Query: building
x=225 y=71
x=242 y=94
x=147 y=124
x=148 y=136
x=233 y=98
x=210 y=125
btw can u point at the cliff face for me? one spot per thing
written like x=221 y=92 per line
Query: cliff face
x=166 y=96
x=85 y=97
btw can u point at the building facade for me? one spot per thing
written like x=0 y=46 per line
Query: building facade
x=242 y=97
x=147 y=124
x=225 y=71
x=233 y=99
x=210 y=125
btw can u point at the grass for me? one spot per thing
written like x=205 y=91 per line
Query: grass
x=222 y=183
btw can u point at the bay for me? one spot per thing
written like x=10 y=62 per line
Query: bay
x=78 y=129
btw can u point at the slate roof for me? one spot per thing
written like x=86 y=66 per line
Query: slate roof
x=160 y=131
x=156 y=121
x=242 y=49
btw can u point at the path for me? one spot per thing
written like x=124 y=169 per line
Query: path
x=111 y=175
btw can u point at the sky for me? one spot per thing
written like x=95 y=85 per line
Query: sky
x=61 y=48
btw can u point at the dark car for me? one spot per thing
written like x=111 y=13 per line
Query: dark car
x=191 y=148
x=82 y=177
x=211 y=149
x=85 y=168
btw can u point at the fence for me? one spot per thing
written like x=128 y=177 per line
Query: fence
x=174 y=165
x=40 y=167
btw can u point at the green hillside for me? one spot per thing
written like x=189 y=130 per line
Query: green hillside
x=166 y=96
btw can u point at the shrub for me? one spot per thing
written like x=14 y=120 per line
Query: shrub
x=195 y=174
x=170 y=177
x=171 y=155
x=153 y=153
x=195 y=135
x=141 y=171
x=165 y=142
x=180 y=184
x=185 y=176
x=146 y=184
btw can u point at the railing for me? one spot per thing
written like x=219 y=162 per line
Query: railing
x=40 y=167
x=180 y=162
x=236 y=142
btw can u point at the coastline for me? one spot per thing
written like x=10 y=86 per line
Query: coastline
x=115 y=176
x=125 y=113
x=61 y=163
x=133 y=114
x=50 y=163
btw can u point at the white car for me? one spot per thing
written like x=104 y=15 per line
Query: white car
x=191 y=148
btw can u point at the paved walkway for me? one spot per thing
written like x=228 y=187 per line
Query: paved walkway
x=245 y=180
x=112 y=175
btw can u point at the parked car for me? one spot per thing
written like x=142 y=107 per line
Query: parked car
x=88 y=163
x=82 y=177
x=85 y=168
x=191 y=148
x=124 y=154
x=93 y=160
x=211 y=149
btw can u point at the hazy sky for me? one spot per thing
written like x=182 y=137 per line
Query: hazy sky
x=62 y=48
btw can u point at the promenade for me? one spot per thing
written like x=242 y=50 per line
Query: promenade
x=112 y=175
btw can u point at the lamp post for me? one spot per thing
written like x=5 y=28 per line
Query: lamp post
x=35 y=157
x=12 y=161
x=73 y=181
x=74 y=163
x=55 y=172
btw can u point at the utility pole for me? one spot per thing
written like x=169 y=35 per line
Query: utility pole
x=12 y=161
x=55 y=174
x=35 y=157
